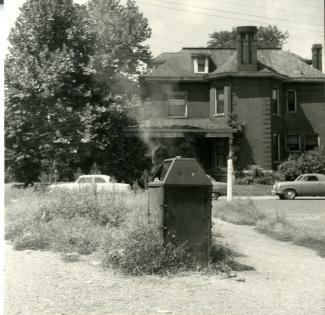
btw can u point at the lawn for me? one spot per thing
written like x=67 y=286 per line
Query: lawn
x=252 y=190
x=275 y=222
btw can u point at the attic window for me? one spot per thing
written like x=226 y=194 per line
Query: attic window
x=201 y=64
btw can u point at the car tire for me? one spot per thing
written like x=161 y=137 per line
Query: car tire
x=215 y=195
x=290 y=194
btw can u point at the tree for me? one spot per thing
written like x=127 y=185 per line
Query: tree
x=71 y=73
x=267 y=37
x=119 y=62
x=46 y=88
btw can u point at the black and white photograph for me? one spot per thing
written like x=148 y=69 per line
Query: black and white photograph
x=163 y=157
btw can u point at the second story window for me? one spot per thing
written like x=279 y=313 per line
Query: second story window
x=291 y=101
x=219 y=102
x=201 y=64
x=275 y=101
x=177 y=106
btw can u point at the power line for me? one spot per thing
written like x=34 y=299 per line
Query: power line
x=171 y=40
x=238 y=13
x=260 y=7
x=221 y=16
x=304 y=4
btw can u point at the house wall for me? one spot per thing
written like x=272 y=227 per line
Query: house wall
x=250 y=100
x=251 y=103
x=310 y=115
x=198 y=104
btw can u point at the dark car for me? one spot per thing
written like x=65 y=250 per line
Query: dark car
x=218 y=188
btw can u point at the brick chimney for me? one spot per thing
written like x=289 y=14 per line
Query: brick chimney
x=317 y=51
x=246 y=48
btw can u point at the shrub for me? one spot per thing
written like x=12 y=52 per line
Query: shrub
x=308 y=162
x=257 y=175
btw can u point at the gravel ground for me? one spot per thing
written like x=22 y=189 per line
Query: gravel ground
x=287 y=279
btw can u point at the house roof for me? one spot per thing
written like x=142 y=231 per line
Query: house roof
x=271 y=62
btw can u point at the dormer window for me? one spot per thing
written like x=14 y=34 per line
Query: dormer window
x=201 y=64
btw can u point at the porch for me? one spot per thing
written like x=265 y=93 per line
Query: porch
x=202 y=139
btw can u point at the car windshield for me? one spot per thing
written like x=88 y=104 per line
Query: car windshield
x=299 y=178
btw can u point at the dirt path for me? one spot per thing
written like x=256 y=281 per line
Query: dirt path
x=288 y=280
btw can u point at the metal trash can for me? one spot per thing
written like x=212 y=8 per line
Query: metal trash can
x=180 y=197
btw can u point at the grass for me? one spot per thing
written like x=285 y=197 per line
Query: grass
x=275 y=225
x=114 y=226
x=252 y=190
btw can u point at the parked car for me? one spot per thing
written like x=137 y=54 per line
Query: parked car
x=218 y=188
x=303 y=185
x=101 y=182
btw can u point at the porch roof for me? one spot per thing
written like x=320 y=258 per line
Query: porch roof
x=178 y=127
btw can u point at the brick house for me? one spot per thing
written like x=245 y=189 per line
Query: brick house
x=199 y=96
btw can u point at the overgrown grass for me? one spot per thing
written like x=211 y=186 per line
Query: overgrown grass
x=275 y=224
x=117 y=227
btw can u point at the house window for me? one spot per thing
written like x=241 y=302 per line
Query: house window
x=291 y=101
x=219 y=102
x=275 y=101
x=201 y=64
x=177 y=104
x=311 y=142
x=276 y=147
x=292 y=143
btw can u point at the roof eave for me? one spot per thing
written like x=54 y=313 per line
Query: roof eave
x=245 y=75
x=316 y=80
x=194 y=78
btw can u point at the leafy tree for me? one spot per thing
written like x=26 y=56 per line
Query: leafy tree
x=46 y=88
x=71 y=74
x=118 y=63
x=267 y=37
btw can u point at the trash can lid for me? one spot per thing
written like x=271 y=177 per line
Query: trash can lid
x=181 y=171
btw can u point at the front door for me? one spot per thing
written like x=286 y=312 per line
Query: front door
x=221 y=152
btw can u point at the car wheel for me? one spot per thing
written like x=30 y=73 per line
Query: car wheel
x=215 y=195
x=290 y=194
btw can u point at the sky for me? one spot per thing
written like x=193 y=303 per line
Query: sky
x=188 y=23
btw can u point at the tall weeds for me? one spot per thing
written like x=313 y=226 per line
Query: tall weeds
x=117 y=226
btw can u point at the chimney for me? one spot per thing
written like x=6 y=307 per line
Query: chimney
x=246 y=48
x=317 y=56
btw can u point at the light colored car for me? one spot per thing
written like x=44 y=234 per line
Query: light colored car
x=303 y=185
x=218 y=188
x=88 y=182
